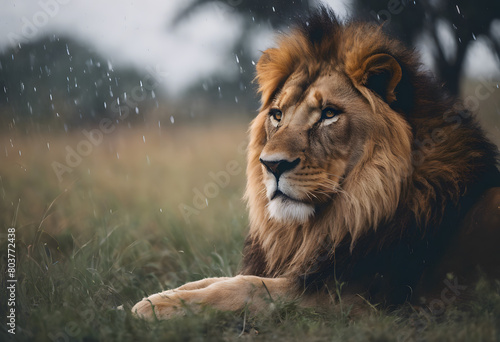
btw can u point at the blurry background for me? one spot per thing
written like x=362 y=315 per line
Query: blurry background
x=67 y=61
x=123 y=134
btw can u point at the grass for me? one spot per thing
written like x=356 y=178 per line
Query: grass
x=111 y=232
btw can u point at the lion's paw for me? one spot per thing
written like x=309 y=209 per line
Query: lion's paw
x=160 y=306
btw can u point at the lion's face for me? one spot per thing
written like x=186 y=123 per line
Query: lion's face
x=315 y=134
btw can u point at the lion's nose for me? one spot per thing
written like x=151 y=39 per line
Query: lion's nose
x=278 y=167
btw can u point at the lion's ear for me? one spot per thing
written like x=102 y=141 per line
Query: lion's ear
x=380 y=73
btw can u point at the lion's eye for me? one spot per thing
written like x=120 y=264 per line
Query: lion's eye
x=329 y=113
x=276 y=114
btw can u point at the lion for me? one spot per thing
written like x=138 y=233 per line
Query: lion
x=361 y=171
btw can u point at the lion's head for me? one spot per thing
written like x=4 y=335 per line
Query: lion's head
x=332 y=150
x=327 y=140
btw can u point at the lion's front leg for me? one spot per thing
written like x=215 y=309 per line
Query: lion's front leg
x=226 y=294
x=195 y=285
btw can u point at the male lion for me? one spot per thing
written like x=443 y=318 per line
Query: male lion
x=361 y=170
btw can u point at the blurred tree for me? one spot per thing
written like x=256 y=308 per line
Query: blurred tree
x=60 y=84
x=449 y=26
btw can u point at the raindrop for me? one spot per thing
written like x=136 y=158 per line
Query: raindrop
x=136 y=110
x=110 y=66
x=67 y=49
x=161 y=210
x=117 y=155
x=253 y=63
x=140 y=82
x=144 y=139
x=274 y=9
x=159 y=124
x=172 y=119
x=66 y=128
x=105 y=105
x=50 y=96
x=237 y=59
x=153 y=95
x=32 y=61
x=57 y=114
x=34 y=89
x=118 y=101
x=19 y=152
x=458 y=9
x=206 y=199
x=473 y=36
x=22 y=87
x=236 y=99
x=48 y=146
x=307 y=23
x=147 y=159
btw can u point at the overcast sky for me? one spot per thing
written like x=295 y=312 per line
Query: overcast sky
x=137 y=33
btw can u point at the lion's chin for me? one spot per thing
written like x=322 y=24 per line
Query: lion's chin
x=286 y=210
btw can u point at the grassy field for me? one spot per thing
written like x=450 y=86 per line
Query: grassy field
x=110 y=232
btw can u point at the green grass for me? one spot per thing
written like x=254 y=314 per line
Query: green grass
x=99 y=240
